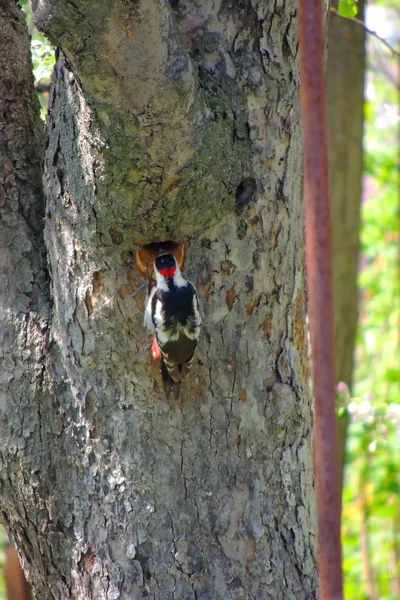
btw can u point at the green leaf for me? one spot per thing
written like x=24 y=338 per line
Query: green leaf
x=347 y=8
x=392 y=375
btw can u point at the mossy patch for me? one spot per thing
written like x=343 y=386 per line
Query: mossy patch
x=136 y=197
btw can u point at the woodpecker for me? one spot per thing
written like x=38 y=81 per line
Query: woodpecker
x=172 y=313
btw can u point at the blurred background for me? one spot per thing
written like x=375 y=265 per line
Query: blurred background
x=363 y=110
x=369 y=376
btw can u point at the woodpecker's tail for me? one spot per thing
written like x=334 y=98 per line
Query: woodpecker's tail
x=185 y=367
x=169 y=383
x=179 y=371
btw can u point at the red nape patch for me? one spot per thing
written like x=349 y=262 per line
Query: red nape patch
x=168 y=271
x=155 y=350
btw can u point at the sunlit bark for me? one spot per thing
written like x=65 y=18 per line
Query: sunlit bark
x=166 y=122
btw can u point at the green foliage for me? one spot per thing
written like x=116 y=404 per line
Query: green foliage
x=371 y=497
x=347 y=8
x=42 y=50
x=42 y=56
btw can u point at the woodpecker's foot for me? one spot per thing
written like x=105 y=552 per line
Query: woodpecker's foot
x=176 y=389
x=173 y=387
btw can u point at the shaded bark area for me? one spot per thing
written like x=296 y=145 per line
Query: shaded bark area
x=122 y=494
x=345 y=97
x=24 y=301
x=345 y=101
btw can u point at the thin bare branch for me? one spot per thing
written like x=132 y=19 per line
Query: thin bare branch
x=370 y=31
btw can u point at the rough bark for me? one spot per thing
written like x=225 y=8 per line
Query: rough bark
x=24 y=295
x=166 y=121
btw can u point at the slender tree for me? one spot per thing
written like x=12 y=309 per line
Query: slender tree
x=318 y=246
x=167 y=121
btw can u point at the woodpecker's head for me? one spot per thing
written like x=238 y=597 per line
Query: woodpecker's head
x=166 y=265
x=167 y=272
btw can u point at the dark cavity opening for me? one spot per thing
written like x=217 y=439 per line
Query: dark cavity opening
x=146 y=254
x=245 y=193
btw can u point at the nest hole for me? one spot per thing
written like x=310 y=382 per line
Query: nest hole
x=245 y=193
x=146 y=255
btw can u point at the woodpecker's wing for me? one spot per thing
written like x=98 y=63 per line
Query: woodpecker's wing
x=148 y=318
x=196 y=305
x=179 y=350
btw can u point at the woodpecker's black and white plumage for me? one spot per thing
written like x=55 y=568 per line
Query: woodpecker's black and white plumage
x=172 y=312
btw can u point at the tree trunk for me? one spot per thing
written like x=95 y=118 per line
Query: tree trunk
x=166 y=122
x=345 y=99
x=345 y=91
